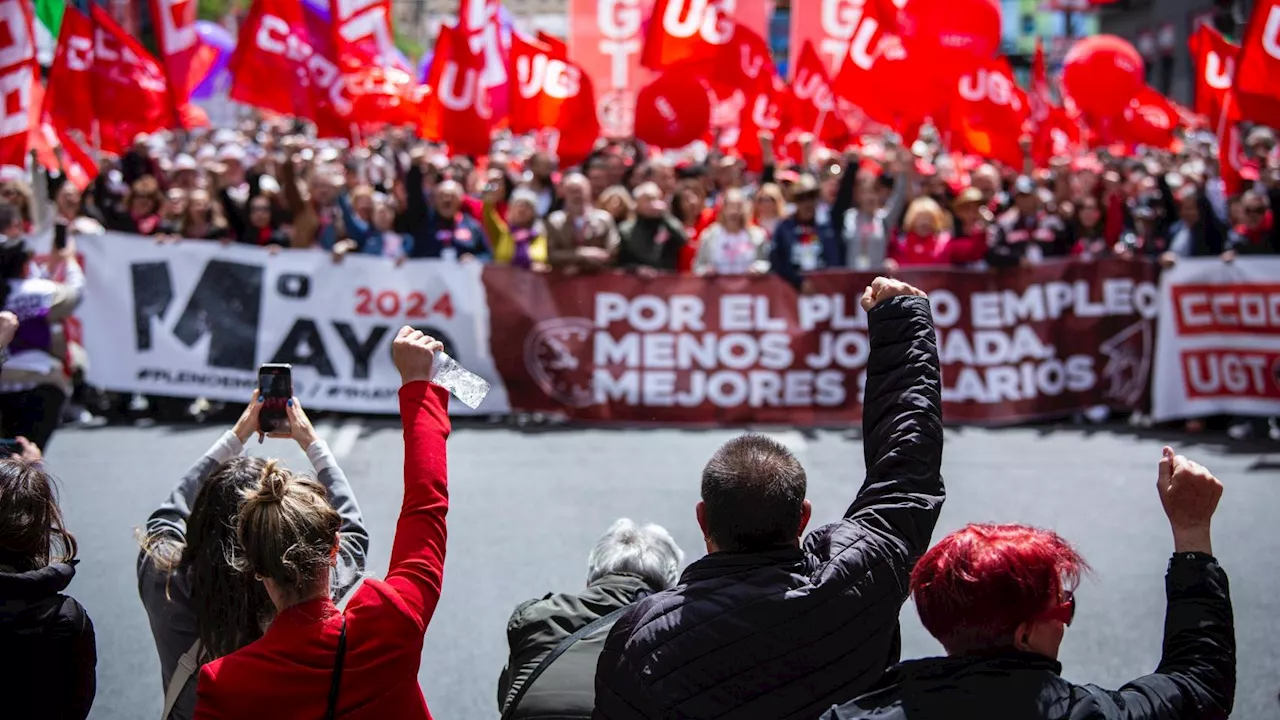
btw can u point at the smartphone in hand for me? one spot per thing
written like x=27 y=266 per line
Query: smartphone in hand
x=275 y=385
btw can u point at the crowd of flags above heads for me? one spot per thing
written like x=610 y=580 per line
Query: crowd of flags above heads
x=895 y=65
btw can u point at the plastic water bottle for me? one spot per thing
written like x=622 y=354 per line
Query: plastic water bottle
x=465 y=385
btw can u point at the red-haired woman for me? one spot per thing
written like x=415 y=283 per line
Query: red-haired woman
x=1000 y=598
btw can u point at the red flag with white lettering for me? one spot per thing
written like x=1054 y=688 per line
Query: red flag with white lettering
x=362 y=33
x=77 y=162
x=606 y=38
x=744 y=72
x=285 y=62
x=456 y=111
x=17 y=74
x=68 y=99
x=1215 y=59
x=814 y=103
x=988 y=112
x=682 y=31
x=549 y=92
x=131 y=95
x=187 y=59
x=1257 y=79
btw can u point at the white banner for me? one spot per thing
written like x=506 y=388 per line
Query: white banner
x=196 y=319
x=1218 y=348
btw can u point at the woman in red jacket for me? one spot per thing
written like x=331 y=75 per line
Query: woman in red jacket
x=316 y=661
x=927 y=239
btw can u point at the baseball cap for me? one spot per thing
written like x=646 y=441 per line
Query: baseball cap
x=1024 y=186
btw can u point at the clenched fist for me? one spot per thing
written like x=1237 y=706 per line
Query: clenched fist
x=1190 y=494
x=414 y=353
x=883 y=288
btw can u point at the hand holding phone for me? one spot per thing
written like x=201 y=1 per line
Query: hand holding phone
x=275 y=387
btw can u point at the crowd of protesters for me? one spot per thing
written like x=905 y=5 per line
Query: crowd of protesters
x=877 y=206
x=243 y=568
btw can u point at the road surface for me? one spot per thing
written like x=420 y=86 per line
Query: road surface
x=526 y=507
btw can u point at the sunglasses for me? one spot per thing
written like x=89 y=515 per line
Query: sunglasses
x=1065 y=611
x=1256 y=211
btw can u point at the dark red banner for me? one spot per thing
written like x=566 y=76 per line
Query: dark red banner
x=1030 y=343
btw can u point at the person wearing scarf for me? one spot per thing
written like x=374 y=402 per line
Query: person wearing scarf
x=518 y=241
x=1257 y=235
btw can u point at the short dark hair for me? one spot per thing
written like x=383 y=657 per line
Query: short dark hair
x=753 y=491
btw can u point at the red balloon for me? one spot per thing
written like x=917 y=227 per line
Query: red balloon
x=1102 y=74
x=957 y=31
x=673 y=111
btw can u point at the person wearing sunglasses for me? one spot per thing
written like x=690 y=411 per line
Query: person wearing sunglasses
x=1000 y=599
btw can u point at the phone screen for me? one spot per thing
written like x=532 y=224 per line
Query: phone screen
x=275 y=383
x=60 y=236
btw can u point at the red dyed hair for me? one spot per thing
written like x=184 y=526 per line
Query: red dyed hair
x=975 y=587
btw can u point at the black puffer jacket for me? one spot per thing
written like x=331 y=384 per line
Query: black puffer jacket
x=1196 y=678
x=787 y=633
x=48 y=657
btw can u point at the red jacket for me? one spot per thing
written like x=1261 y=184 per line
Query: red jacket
x=911 y=250
x=286 y=673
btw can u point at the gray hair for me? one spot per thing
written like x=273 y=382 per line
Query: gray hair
x=645 y=550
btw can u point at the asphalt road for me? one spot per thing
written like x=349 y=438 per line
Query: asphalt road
x=527 y=506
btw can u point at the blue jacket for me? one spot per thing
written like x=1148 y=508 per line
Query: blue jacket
x=789 y=246
x=366 y=236
x=432 y=233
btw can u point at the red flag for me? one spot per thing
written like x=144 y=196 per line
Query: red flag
x=362 y=33
x=187 y=59
x=68 y=100
x=814 y=102
x=77 y=163
x=557 y=46
x=130 y=93
x=478 y=19
x=549 y=92
x=1150 y=119
x=686 y=31
x=744 y=72
x=988 y=112
x=286 y=64
x=1257 y=79
x=457 y=112
x=1215 y=60
x=17 y=75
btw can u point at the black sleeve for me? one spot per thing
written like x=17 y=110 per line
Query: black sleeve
x=84 y=683
x=1002 y=254
x=235 y=220
x=844 y=198
x=1215 y=231
x=415 y=204
x=1197 y=673
x=1169 y=204
x=1273 y=195
x=780 y=258
x=902 y=428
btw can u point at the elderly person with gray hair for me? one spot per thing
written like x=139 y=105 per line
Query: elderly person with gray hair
x=555 y=641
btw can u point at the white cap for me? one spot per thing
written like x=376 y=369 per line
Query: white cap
x=206 y=152
x=231 y=152
x=184 y=162
x=268 y=184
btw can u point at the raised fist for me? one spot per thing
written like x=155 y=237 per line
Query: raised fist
x=413 y=354
x=883 y=288
x=1188 y=491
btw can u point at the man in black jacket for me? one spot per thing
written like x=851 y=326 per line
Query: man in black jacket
x=983 y=574
x=763 y=627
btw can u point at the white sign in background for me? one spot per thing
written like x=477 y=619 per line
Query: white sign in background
x=1218 y=339
x=196 y=319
